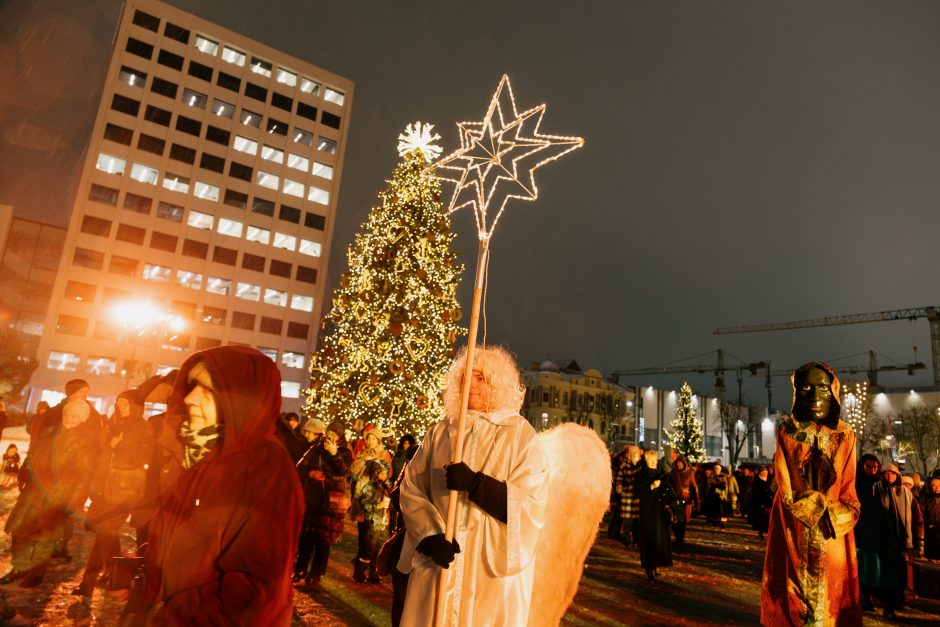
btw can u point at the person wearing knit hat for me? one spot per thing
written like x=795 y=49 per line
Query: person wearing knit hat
x=312 y=428
x=322 y=469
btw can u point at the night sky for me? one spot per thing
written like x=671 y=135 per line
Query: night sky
x=746 y=162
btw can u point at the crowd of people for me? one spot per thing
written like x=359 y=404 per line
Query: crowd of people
x=235 y=505
x=653 y=499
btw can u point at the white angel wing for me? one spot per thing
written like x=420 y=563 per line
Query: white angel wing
x=579 y=494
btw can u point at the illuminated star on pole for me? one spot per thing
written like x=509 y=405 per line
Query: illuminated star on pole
x=498 y=157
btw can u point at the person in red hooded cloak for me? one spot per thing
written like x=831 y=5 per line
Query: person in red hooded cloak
x=811 y=570
x=222 y=542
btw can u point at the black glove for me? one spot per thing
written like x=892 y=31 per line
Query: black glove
x=461 y=478
x=439 y=549
x=490 y=495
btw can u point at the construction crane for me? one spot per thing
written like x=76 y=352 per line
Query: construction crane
x=872 y=369
x=719 y=369
x=931 y=313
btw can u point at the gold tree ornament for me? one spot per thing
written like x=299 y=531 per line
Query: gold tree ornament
x=498 y=157
x=418 y=136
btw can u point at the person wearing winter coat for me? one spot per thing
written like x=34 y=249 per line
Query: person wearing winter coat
x=11 y=466
x=655 y=507
x=64 y=452
x=120 y=484
x=222 y=542
x=718 y=498
x=625 y=485
x=322 y=470
x=683 y=486
x=405 y=444
x=760 y=502
x=932 y=520
x=372 y=497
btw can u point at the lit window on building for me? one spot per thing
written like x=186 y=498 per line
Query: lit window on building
x=286 y=77
x=132 y=77
x=270 y=353
x=292 y=360
x=323 y=170
x=250 y=118
x=309 y=248
x=243 y=144
x=282 y=240
x=223 y=109
x=155 y=272
x=101 y=365
x=326 y=145
x=187 y=279
x=59 y=360
x=265 y=179
x=217 y=285
x=213 y=315
x=298 y=162
x=302 y=137
x=200 y=220
x=110 y=164
x=144 y=174
x=294 y=188
x=176 y=183
x=260 y=66
x=301 y=303
x=248 y=291
x=334 y=96
x=315 y=194
x=194 y=98
x=275 y=297
x=233 y=56
x=309 y=86
x=82 y=292
x=290 y=389
x=204 y=44
x=206 y=191
x=272 y=154
x=257 y=234
x=232 y=228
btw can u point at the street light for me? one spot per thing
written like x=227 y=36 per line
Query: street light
x=140 y=317
x=544 y=421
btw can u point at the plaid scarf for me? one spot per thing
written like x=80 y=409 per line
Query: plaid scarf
x=197 y=443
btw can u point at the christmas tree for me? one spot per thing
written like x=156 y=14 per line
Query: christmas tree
x=687 y=433
x=387 y=342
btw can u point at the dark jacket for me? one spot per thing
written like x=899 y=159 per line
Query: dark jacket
x=325 y=490
x=654 y=537
x=222 y=543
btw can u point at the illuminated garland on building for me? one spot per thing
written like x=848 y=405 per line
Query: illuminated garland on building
x=387 y=342
x=688 y=432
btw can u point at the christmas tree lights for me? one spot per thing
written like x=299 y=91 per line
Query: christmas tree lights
x=387 y=342
x=687 y=433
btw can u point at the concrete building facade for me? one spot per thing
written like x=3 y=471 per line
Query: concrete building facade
x=204 y=211
x=562 y=392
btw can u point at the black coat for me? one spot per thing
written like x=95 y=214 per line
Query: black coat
x=325 y=490
x=654 y=536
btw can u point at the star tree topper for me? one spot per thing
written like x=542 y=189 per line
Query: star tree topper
x=498 y=157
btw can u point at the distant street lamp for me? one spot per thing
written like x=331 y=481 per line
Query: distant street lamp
x=544 y=421
x=140 y=317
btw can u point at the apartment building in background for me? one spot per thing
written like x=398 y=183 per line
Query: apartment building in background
x=204 y=212
x=29 y=258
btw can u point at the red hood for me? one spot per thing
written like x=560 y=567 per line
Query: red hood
x=248 y=393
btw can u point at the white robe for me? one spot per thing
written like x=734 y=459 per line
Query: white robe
x=490 y=581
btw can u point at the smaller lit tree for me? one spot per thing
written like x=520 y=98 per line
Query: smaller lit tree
x=688 y=433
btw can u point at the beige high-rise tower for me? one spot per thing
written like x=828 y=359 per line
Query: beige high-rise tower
x=204 y=211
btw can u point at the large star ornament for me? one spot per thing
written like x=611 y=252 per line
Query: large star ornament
x=498 y=157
